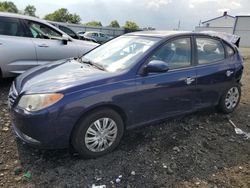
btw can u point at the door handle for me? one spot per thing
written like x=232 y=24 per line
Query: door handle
x=189 y=80
x=229 y=73
x=43 y=45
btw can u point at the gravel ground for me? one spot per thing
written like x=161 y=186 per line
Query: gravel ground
x=197 y=150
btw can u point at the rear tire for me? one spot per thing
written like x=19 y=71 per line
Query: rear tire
x=98 y=133
x=230 y=99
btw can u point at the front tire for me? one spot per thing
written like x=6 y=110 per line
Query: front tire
x=98 y=133
x=230 y=99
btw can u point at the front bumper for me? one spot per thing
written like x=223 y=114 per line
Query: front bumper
x=25 y=138
x=44 y=129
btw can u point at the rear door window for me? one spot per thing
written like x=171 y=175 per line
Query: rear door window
x=11 y=27
x=229 y=50
x=209 y=50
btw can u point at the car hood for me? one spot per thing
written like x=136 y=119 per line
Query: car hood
x=60 y=76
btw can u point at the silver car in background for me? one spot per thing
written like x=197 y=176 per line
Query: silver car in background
x=97 y=36
x=26 y=42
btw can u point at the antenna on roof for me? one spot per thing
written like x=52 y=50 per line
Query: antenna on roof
x=178 y=27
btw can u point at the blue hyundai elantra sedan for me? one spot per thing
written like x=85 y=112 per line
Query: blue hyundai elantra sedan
x=135 y=79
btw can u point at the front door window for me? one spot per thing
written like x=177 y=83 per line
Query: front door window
x=177 y=53
x=42 y=31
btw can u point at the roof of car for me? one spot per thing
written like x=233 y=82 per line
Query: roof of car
x=163 y=34
x=13 y=15
x=159 y=33
x=21 y=16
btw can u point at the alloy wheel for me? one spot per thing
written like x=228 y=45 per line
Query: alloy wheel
x=232 y=98
x=101 y=134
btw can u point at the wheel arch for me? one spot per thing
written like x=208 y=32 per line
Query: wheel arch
x=116 y=108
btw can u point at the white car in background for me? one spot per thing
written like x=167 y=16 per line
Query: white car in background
x=26 y=42
x=80 y=33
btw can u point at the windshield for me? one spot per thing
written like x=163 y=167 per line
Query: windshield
x=120 y=53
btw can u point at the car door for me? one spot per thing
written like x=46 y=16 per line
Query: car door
x=49 y=44
x=103 y=37
x=17 y=51
x=214 y=70
x=161 y=95
x=95 y=36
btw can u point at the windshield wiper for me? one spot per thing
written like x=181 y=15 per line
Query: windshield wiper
x=86 y=61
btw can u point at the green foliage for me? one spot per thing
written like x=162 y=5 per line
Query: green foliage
x=8 y=6
x=131 y=25
x=114 y=23
x=74 y=18
x=94 y=23
x=30 y=10
x=62 y=15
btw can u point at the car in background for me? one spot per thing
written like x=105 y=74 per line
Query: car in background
x=66 y=30
x=134 y=79
x=26 y=42
x=80 y=33
x=97 y=36
x=71 y=33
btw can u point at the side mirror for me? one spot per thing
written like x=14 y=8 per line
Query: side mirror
x=156 y=66
x=65 y=39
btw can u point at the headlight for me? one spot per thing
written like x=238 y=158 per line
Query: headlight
x=38 y=101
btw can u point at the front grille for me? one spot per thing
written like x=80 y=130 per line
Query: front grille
x=12 y=95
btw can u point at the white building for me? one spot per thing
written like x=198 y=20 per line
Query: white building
x=224 y=23
x=242 y=29
x=239 y=25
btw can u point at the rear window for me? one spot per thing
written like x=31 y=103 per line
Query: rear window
x=11 y=27
x=230 y=51
x=67 y=30
x=209 y=50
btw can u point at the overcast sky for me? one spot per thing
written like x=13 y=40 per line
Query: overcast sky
x=161 y=14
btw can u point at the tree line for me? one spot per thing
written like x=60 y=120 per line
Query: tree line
x=61 y=15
